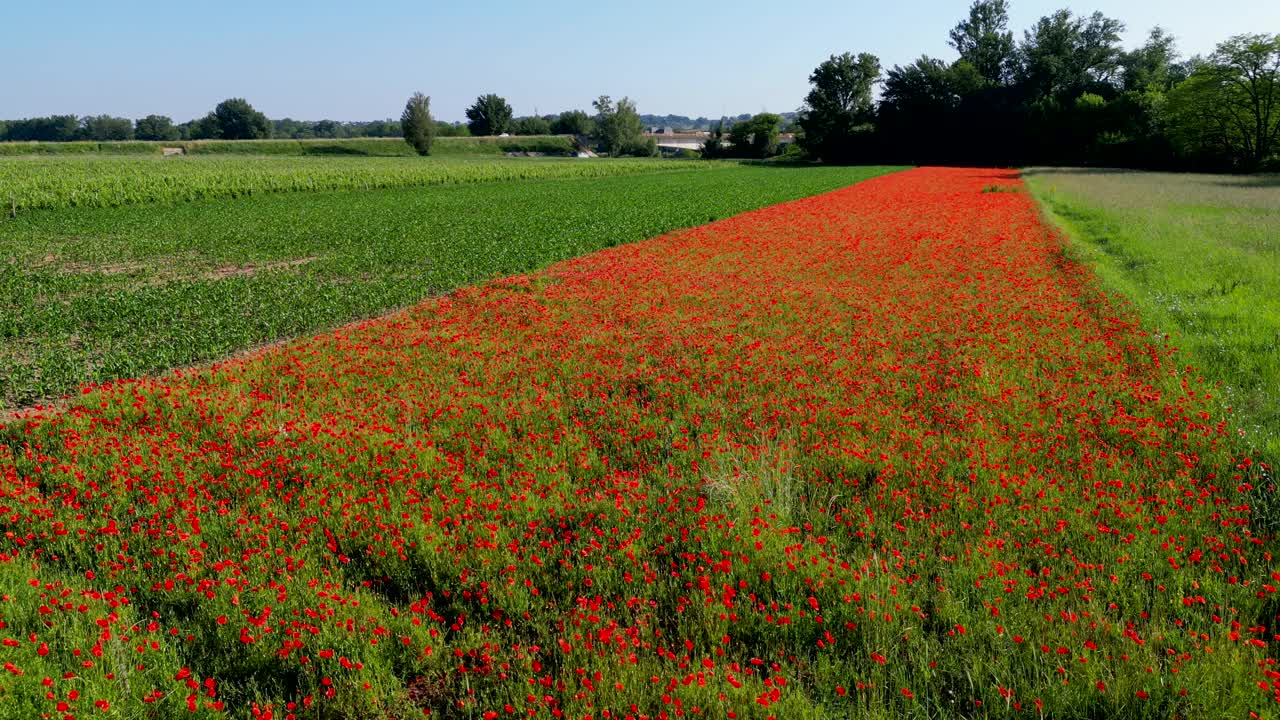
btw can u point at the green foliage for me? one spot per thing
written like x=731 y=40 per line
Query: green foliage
x=757 y=137
x=1063 y=55
x=532 y=125
x=236 y=119
x=792 y=152
x=919 y=100
x=985 y=42
x=618 y=129
x=543 y=144
x=1152 y=67
x=448 y=129
x=205 y=128
x=713 y=147
x=334 y=130
x=55 y=128
x=156 y=127
x=489 y=115
x=141 y=298
x=838 y=113
x=573 y=122
x=641 y=147
x=1229 y=108
x=417 y=125
x=1005 y=105
x=107 y=128
x=1090 y=103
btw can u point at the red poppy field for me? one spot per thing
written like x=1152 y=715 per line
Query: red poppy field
x=886 y=452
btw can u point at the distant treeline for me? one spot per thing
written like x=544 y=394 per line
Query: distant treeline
x=1066 y=93
x=560 y=145
x=107 y=128
x=681 y=122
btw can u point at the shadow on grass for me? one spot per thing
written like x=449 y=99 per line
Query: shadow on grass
x=1033 y=171
x=1221 y=179
x=333 y=150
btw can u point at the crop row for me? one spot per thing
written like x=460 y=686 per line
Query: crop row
x=88 y=181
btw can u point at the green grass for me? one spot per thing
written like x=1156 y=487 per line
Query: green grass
x=377 y=147
x=1199 y=257
x=101 y=181
x=94 y=294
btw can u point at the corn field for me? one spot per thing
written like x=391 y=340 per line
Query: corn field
x=28 y=183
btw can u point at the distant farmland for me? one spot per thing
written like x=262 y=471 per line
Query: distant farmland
x=105 y=181
x=377 y=147
x=262 y=249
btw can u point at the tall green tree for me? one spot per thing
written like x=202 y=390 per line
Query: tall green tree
x=238 y=120
x=155 y=127
x=1064 y=55
x=1230 y=105
x=1153 y=66
x=489 y=115
x=838 y=113
x=756 y=137
x=985 y=41
x=618 y=128
x=713 y=146
x=923 y=88
x=416 y=123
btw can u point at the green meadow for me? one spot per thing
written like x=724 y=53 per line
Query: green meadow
x=1198 y=256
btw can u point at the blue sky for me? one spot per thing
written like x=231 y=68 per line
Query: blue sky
x=352 y=61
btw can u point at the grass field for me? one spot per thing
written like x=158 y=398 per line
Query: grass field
x=103 y=181
x=880 y=453
x=375 y=147
x=96 y=294
x=1199 y=258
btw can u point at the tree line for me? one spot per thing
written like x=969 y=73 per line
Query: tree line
x=1066 y=93
x=236 y=119
x=232 y=119
x=615 y=128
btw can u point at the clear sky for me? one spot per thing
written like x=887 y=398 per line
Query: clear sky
x=347 y=60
